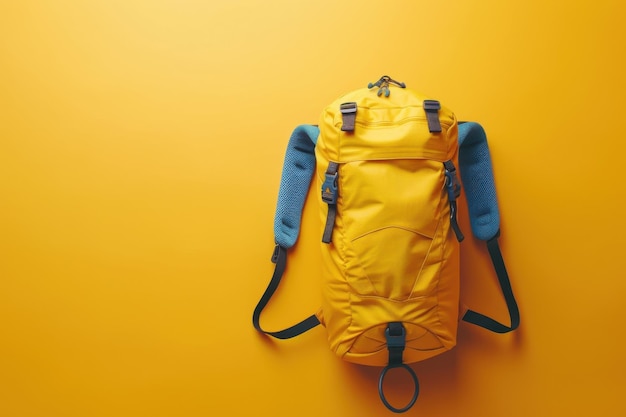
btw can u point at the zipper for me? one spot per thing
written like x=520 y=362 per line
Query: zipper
x=385 y=123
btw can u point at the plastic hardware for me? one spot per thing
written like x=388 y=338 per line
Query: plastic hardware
x=431 y=105
x=329 y=189
x=383 y=85
x=347 y=108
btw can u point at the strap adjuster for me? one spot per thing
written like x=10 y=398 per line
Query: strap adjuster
x=453 y=185
x=276 y=253
x=395 y=335
x=348 y=107
x=348 y=112
x=329 y=189
x=329 y=196
x=432 y=107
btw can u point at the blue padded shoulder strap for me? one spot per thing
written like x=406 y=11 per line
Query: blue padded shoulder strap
x=294 y=185
x=477 y=177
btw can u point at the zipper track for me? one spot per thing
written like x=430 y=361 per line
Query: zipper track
x=396 y=122
x=385 y=123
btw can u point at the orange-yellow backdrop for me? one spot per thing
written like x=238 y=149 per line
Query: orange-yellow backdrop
x=141 y=145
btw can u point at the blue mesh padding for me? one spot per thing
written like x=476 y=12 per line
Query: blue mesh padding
x=477 y=177
x=294 y=185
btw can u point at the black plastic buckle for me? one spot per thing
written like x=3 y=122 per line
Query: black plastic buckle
x=432 y=105
x=348 y=113
x=329 y=189
x=453 y=185
x=395 y=336
x=276 y=253
x=347 y=108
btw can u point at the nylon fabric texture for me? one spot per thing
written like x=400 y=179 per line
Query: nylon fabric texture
x=385 y=168
x=392 y=257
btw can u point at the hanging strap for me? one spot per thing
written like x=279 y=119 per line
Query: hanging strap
x=280 y=259
x=477 y=177
x=505 y=284
x=294 y=185
x=395 y=335
x=329 y=196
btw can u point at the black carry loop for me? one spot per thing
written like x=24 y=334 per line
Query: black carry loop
x=395 y=334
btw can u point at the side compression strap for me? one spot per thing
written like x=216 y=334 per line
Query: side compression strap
x=294 y=185
x=329 y=196
x=280 y=259
x=477 y=177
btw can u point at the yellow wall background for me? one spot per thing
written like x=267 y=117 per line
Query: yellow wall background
x=141 y=145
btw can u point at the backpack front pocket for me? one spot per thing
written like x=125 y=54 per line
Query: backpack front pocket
x=391 y=212
x=390 y=262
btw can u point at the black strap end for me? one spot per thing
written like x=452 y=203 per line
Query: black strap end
x=431 y=107
x=507 y=291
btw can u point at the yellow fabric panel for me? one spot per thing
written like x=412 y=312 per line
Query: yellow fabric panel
x=392 y=256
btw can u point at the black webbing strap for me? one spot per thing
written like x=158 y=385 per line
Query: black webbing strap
x=348 y=113
x=431 y=107
x=329 y=196
x=279 y=257
x=330 y=223
x=453 y=185
x=396 y=342
x=505 y=284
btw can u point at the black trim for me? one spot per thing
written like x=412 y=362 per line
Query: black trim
x=327 y=237
x=507 y=291
x=431 y=107
x=279 y=257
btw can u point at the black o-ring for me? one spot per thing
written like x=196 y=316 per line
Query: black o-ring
x=382 y=394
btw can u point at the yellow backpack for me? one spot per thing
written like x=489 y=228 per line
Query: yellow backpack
x=385 y=161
